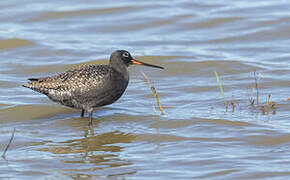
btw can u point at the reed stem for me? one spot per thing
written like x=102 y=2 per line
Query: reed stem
x=154 y=92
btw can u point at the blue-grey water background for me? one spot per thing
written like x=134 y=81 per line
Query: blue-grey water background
x=197 y=138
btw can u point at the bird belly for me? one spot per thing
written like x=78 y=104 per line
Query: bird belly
x=88 y=99
x=63 y=97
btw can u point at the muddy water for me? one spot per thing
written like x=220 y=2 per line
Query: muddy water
x=197 y=138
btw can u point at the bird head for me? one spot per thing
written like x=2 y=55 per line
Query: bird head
x=123 y=57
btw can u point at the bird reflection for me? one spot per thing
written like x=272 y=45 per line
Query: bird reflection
x=96 y=153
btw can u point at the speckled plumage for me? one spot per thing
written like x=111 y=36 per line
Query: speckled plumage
x=89 y=86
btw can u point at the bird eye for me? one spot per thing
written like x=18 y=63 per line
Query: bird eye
x=125 y=54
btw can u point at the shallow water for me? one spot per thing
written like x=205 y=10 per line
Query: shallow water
x=197 y=138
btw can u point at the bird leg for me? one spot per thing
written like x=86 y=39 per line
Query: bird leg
x=90 y=111
x=83 y=113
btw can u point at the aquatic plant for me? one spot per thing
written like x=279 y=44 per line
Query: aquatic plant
x=264 y=107
x=9 y=143
x=154 y=92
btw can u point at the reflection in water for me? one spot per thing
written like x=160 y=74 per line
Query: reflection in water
x=97 y=152
x=157 y=131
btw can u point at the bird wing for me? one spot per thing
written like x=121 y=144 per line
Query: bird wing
x=80 y=79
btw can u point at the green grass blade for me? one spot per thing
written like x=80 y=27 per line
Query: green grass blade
x=220 y=86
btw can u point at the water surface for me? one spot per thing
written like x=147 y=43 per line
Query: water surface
x=197 y=138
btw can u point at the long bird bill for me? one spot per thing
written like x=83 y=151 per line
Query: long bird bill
x=134 y=61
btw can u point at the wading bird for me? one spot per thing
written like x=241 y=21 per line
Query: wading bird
x=89 y=86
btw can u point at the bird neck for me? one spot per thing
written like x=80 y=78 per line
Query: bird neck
x=121 y=68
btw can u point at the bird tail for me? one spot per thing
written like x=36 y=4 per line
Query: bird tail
x=31 y=84
x=33 y=79
x=36 y=85
x=26 y=85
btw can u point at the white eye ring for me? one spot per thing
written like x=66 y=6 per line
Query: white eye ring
x=125 y=54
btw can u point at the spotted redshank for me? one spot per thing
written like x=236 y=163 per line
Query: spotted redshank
x=89 y=86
